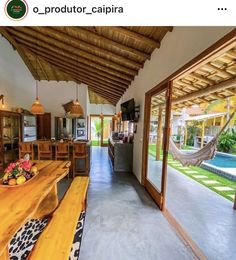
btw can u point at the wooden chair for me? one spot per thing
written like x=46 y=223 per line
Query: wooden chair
x=26 y=148
x=80 y=152
x=62 y=152
x=44 y=151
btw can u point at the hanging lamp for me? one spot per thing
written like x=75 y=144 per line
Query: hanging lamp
x=37 y=108
x=76 y=109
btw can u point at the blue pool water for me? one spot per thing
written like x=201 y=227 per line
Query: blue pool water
x=223 y=161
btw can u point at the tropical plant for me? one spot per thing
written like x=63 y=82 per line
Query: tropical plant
x=98 y=129
x=192 y=130
x=227 y=141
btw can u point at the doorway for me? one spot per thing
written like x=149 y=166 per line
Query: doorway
x=156 y=142
x=100 y=129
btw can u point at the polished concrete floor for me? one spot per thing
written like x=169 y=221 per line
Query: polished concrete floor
x=122 y=221
x=207 y=217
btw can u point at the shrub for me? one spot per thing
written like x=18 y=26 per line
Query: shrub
x=226 y=141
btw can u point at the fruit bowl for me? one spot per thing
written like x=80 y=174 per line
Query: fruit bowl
x=18 y=173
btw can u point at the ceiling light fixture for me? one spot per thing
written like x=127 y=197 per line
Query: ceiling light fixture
x=37 y=108
x=76 y=109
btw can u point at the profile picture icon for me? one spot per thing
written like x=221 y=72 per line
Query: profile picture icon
x=16 y=9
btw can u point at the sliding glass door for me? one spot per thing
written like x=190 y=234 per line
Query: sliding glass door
x=157 y=122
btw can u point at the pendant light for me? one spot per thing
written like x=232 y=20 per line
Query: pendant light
x=37 y=108
x=76 y=109
x=2 y=98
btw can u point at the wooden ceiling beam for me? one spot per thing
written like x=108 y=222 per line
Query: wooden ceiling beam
x=132 y=53
x=136 y=36
x=90 y=70
x=42 y=40
x=78 y=71
x=59 y=53
x=207 y=91
x=219 y=71
x=5 y=34
x=43 y=70
x=87 y=47
x=202 y=78
x=104 y=95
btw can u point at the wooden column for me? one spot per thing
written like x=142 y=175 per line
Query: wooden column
x=203 y=134
x=186 y=134
x=159 y=134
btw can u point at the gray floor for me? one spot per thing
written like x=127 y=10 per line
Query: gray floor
x=122 y=221
x=206 y=216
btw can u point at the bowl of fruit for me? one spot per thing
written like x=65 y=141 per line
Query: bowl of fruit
x=18 y=173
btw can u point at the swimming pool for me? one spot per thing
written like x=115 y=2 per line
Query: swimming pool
x=223 y=161
x=223 y=164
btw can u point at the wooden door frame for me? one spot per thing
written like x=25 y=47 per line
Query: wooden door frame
x=158 y=196
x=98 y=115
x=222 y=45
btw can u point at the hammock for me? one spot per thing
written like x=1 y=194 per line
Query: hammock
x=196 y=158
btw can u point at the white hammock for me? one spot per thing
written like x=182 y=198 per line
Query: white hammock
x=196 y=158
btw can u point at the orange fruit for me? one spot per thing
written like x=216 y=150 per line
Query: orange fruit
x=12 y=182
x=20 y=180
x=34 y=169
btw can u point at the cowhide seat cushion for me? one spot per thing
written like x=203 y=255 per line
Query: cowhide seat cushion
x=24 y=240
x=74 y=255
x=26 y=237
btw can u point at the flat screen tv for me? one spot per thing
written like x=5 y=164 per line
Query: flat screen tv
x=128 y=110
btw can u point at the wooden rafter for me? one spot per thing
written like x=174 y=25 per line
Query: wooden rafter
x=87 y=47
x=137 y=37
x=43 y=40
x=59 y=53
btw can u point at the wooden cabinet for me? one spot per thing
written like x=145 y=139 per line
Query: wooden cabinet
x=9 y=137
x=44 y=126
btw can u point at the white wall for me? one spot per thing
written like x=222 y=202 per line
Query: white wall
x=54 y=94
x=177 y=48
x=16 y=82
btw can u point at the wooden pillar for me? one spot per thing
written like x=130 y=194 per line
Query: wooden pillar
x=221 y=121
x=203 y=134
x=214 y=121
x=159 y=134
x=186 y=134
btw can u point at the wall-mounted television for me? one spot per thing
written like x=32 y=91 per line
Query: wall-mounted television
x=128 y=110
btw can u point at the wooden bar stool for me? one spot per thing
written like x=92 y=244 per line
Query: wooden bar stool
x=62 y=152
x=44 y=151
x=26 y=148
x=80 y=152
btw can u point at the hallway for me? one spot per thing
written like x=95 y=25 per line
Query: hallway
x=122 y=222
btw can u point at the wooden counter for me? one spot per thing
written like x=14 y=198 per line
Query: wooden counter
x=34 y=199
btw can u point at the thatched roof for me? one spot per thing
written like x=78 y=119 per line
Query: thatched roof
x=105 y=58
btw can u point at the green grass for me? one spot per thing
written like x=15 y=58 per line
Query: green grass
x=211 y=176
x=95 y=143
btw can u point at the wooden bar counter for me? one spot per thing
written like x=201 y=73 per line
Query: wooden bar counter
x=32 y=200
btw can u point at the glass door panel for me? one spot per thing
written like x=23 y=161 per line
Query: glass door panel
x=106 y=129
x=157 y=120
x=96 y=130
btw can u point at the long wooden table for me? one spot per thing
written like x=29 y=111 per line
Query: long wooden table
x=32 y=200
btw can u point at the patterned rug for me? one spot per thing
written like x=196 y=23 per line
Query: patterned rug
x=26 y=237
